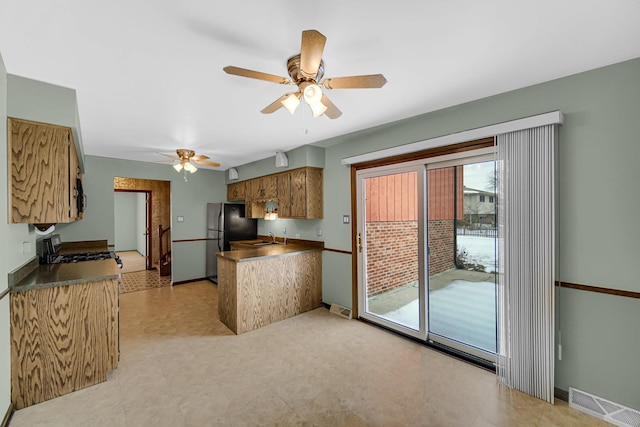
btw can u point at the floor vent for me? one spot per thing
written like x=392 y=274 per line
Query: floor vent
x=340 y=311
x=603 y=409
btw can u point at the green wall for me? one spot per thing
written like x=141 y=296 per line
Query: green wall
x=188 y=199
x=597 y=219
x=126 y=224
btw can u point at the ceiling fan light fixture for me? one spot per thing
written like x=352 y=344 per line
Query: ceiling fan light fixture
x=190 y=167
x=312 y=94
x=178 y=167
x=291 y=102
x=318 y=108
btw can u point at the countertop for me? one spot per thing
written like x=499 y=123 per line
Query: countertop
x=39 y=276
x=268 y=251
x=51 y=275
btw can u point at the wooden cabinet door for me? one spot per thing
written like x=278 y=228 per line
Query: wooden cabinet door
x=284 y=195
x=315 y=196
x=264 y=188
x=298 y=193
x=236 y=191
x=39 y=174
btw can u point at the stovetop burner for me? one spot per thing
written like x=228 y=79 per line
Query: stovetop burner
x=86 y=256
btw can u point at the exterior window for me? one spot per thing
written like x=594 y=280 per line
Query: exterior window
x=490 y=199
x=482 y=198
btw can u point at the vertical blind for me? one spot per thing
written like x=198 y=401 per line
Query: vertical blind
x=526 y=233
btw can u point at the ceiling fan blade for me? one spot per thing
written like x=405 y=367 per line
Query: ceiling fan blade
x=205 y=163
x=355 y=82
x=172 y=156
x=200 y=157
x=243 y=72
x=332 y=111
x=274 y=106
x=311 y=52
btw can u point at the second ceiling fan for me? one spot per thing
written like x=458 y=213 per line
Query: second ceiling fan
x=306 y=70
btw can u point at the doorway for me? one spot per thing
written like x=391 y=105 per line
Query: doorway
x=132 y=224
x=426 y=241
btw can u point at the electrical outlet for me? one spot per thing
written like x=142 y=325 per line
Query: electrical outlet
x=180 y=219
x=319 y=232
x=284 y=230
x=26 y=247
x=297 y=235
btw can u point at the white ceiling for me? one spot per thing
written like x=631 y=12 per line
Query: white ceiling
x=148 y=74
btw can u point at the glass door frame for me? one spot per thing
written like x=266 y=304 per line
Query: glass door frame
x=478 y=156
x=361 y=246
x=421 y=166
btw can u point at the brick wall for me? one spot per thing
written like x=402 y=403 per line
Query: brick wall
x=441 y=243
x=392 y=253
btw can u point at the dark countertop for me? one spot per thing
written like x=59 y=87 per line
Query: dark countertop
x=51 y=275
x=39 y=276
x=269 y=251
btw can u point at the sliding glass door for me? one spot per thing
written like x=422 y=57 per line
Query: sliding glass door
x=391 y=247
x=427 y=250
x=461 y=228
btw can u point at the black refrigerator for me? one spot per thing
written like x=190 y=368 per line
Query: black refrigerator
x=225 y=223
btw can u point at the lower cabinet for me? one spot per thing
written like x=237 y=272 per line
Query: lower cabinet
x=256 y=292
x=63 y=339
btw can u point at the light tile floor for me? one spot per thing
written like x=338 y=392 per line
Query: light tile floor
x=180 y=366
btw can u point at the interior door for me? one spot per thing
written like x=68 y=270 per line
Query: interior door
x=391 y=248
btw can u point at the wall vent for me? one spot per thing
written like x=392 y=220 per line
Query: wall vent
x=605 y=410
x=340 y=311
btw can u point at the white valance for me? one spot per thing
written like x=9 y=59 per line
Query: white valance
x=551 y=118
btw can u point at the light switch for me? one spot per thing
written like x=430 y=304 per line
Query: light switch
x=180 y=219
x=346 y=219
x=318 y=231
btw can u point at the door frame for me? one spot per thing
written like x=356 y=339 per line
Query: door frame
x=437 y=158
x=148 y=226
x=403 y=158
x=360 y=248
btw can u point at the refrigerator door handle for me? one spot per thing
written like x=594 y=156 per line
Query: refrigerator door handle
x=219 y=228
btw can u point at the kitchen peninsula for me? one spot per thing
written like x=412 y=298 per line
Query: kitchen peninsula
x=266 y=284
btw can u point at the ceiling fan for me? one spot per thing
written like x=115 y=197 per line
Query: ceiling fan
x=306 y=70
x=187 y=159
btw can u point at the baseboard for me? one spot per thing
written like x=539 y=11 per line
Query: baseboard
x=561 y=394
x=183 y=282
x=7 y=416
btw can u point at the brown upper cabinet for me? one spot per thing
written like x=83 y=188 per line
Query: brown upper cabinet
x=298 y=193
x=305 y=194
x=264 y=188
x=44 y=168
x=236 y=191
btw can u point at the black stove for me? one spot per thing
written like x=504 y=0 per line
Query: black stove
x=49 y=250
x=86 y=256
x=79 y=257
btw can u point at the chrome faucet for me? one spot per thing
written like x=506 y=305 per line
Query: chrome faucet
x=273 y=238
